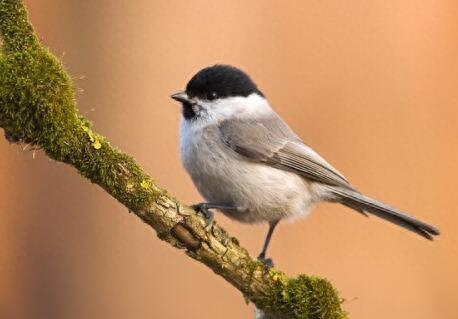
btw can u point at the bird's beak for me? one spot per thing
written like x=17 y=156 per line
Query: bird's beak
x=181 y=97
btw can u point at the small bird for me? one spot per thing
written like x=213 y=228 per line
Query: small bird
x=247 y=162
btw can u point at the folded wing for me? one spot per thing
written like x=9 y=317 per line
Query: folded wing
x=269 y=140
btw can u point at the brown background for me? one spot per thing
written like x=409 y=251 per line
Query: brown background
x=371 y=85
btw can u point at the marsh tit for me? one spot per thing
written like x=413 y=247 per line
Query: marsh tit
x=247 y=162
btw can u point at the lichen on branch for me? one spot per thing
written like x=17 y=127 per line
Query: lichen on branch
x=38 y=107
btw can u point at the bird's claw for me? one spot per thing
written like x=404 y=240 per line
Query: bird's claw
x=268 y=262
x=209 y=216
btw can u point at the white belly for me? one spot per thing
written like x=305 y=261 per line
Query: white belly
x=262 y=193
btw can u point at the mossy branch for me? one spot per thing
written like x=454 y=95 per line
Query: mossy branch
x=38 y=106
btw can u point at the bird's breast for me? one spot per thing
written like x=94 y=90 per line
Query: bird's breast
x=222 y=176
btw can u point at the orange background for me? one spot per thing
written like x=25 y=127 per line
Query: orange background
x=371 y=85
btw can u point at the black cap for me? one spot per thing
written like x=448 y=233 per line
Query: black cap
x=219 y=81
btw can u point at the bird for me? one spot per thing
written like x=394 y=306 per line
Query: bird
x=248 y=163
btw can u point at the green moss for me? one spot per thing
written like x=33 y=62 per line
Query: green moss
x=302 y=297
x=16 y=31
x=38 y=106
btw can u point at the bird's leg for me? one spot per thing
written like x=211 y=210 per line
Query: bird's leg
x=204 y=208
x=262 y=256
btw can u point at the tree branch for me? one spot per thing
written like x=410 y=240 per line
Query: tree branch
x=37 y=106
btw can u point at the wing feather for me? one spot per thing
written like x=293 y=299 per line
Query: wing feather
x=269 y=140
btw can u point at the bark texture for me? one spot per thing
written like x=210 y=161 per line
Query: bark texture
x=38 y=107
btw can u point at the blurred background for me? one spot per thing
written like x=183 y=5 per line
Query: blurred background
x=371 y=85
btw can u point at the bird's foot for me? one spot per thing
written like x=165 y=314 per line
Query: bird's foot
x=204 y=208
x=268 y=262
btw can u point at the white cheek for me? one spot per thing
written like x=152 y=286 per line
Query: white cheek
x=241 y=107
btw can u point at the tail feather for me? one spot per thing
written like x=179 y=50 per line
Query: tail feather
x=359 y=202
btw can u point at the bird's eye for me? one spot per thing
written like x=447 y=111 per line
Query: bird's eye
x=213 y=96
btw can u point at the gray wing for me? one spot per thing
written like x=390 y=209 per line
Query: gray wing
x=269 y=140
